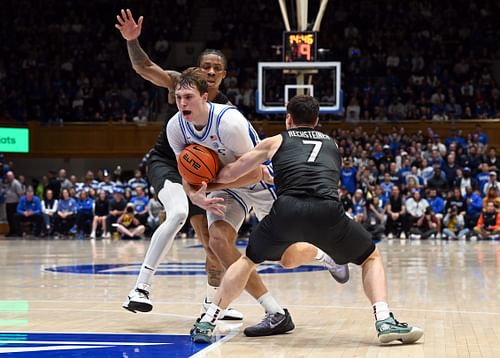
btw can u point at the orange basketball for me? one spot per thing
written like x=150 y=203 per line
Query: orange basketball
x=198 y=163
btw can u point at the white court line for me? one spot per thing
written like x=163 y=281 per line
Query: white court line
x=299 y=306
x=203 y=352
x=108 y=311
x=93 y=332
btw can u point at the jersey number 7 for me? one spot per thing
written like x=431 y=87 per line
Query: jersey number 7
x=315 y=151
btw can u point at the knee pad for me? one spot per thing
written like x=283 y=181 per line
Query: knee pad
x=175 y=202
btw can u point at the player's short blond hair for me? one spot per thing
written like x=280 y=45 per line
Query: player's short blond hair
x=193 y=77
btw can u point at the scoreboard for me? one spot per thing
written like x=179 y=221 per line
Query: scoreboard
x=299 y=46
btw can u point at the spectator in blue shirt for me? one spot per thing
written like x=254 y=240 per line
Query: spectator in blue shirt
x=483 y=137
x=140 y=201
x=377 y=153
x=437 y=203
x=483 y=177
x=386 y=187
x=474 y=204
x=405 y=169
x=66 y=213
x=348 y=175
x=29 y=209
x=455 y=137
x=84 y=213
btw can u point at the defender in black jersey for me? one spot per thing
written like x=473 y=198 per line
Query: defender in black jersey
x=163 y=173
x=306 y=165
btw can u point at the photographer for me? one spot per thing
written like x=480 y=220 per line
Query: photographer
x=454 y=225
x=128 y=225
x=427 y=226
x=488 y=225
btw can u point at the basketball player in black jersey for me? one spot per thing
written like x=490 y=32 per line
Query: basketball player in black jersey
x=306 y=165
x=163 y=173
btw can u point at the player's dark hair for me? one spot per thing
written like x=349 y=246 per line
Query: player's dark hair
x=303 y=109
x=211 y=51
x=193 y=77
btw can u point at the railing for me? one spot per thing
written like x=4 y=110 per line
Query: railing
x=129 y=139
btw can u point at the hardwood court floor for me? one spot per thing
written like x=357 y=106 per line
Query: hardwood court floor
x=451 y=289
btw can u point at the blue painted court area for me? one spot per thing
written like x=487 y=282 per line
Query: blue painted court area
x=170 y=269
x=44 y=345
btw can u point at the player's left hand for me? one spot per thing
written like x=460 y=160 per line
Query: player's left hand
x=213 y=205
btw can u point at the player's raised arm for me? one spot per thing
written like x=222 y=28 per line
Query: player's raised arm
x=142 y=64
x=249 y=161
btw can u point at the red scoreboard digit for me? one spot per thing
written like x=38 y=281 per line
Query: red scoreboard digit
x=299 y=46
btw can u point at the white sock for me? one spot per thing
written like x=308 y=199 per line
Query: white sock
x=211 y=292
x=320 y=255
x=212 y=314
x=381 y=310
x=269 y=303
x=145 y=276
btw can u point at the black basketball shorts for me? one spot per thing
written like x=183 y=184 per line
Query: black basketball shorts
x=321 y=222
x=161 y=169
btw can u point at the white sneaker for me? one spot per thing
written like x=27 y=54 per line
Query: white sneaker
x=339 y=272
x=92 y=235
x=402 y=236
x=439 y=236
x=138 y=300
x=106 y=235
x=230 y=314
x=390 y=236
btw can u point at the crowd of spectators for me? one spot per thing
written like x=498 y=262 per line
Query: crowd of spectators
x=61 y=206
x=397 y=184
x=420 y=185
x=65 y=61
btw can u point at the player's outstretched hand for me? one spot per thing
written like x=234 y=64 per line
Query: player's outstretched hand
x=213 y=205
x=129 y=29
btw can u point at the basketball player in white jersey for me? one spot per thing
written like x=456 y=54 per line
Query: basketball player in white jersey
x=225 y=130
x=164 y=177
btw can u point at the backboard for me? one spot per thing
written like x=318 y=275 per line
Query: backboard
x=280 y=81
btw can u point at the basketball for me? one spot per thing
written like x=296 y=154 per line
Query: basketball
x=198 y=163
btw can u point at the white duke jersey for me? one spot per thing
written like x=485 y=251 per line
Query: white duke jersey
x=227 y=132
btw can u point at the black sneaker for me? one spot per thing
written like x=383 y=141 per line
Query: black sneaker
x=275 y=323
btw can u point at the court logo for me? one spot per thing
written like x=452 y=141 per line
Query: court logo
x=44 y=345
x=170 y=269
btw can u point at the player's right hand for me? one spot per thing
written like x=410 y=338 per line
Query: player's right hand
x=129 y=29
x=213 y=205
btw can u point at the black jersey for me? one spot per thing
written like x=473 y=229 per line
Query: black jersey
x=162 y=147
x=307 y=163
